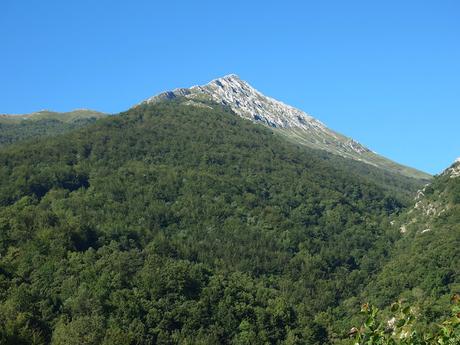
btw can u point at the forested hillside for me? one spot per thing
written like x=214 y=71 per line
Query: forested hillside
x=424 y=268
x=179 y=224
x=422 y=273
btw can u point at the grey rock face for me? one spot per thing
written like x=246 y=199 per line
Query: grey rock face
x=251 y=104
x=296 y=125
x=453 y=170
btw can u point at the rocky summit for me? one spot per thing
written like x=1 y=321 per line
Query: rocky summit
x=453 y=170
x=293 y=123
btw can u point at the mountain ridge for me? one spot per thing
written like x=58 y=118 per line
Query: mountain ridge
x=16 y=128
x=295 y=124
x=67 y=116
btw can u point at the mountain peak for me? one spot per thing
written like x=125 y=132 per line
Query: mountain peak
x=251 y=104
x=247 y=102
x=228 y=77
x=295 y=124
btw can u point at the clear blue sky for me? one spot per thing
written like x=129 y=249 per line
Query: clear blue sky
x=386 y=73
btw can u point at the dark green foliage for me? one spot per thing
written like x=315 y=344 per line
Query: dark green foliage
x=424 y=268
x=173 y=224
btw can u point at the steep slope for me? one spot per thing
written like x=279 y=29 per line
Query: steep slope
x=14 y=128
x=293 y=123
x=424 y=265
x=175 y=224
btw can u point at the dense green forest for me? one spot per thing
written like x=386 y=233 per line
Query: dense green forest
x=424 y=268
x=178 y=224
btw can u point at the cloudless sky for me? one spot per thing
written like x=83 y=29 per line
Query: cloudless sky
x=386 y=73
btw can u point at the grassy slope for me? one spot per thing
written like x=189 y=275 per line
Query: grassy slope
x=370 y=158
x=66 y=117
x=14 y=128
